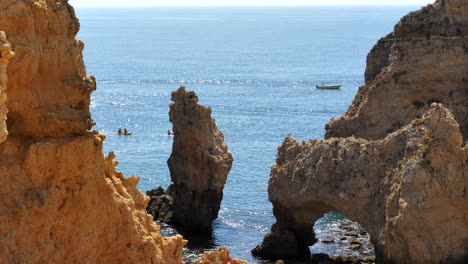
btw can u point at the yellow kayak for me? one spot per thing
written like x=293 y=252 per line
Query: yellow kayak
x=124 y=134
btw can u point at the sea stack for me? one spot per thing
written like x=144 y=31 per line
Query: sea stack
x=396 y=161
x=199 y=165
x=61 y=200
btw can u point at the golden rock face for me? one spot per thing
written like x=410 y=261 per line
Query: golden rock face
x=219 y=256
x=396 y=160
x=62 y=200
x=422 y=62
x=5 y=56
x=199 y=165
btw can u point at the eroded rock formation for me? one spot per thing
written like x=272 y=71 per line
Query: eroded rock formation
x=396 y=161
x=421 y=62
x=62 y=201
x=199 y=165
x=406 y=190
x=5 y=55
x=220 y=256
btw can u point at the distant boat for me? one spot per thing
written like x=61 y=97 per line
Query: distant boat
x=124 y=134
x=333 y=86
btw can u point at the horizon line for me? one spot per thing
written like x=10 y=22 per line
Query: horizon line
x=355 y=5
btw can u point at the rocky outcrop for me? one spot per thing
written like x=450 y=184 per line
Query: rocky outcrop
x=406 y=190
x=396 y=161
x=5 y=55
x=421 y=62
x=220 y=256
x=49 y=92
x=61 y=200
x=199 y=165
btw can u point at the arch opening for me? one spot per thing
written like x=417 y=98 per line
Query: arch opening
x=317 y=234
x=339 y=239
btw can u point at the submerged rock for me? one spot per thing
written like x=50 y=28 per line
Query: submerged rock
x=356 y=242
x=355 y=246
x=328 y=240
x=369 y=259
x=352 y=234
x=406 y=176
x=61 y=200
x=346 y=227
x=199 y=165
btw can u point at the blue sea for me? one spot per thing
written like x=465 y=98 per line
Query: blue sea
x=256 y=67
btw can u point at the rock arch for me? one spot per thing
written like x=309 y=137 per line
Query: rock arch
x=396 y=160
x=399 y=189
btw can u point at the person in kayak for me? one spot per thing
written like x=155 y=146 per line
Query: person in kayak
x=120 y=130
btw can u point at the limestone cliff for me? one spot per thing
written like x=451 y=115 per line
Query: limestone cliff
x=407 y=190
x=396 y=161
x=199 y=165
x=62 y=201
x=423 y=61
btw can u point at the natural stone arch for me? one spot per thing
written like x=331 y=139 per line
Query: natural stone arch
x=293 y=233
x=400 y=189
x=408 y=176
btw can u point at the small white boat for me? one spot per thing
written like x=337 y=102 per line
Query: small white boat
x=323 y=86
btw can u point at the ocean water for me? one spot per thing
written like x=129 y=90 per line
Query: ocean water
x=256 y=68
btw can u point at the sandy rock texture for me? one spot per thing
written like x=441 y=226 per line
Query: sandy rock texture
x=49 y=92
x=220 y=256
x=407 y=191
x=5 y=55
x=61 y=200
x=396 y=161
x=199 y=165
x=421 y=62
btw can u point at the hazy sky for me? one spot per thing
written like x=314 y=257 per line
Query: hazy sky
x=79 y=3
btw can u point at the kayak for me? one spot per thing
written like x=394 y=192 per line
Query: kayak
x=124 y=134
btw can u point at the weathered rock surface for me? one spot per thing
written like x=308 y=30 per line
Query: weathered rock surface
x=49 y=92
x=220 y=256
x=407 y=191
x=5 y=55
x=405 y=179
x=423 y=61
x=61 y=200
x=199 y=165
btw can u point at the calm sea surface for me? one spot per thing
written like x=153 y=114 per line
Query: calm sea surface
x=256 y=67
